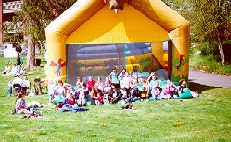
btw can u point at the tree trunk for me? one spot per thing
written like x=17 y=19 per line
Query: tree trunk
x=221 y=51
x=1 y=21
x=30 y=55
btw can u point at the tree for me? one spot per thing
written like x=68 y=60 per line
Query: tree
x=181 y=6
x=210 y=21
x=32 y=19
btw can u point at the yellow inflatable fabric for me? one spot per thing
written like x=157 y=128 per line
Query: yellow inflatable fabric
x=91 y=21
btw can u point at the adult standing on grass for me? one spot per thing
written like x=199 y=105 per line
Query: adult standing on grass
x=114 y=77
x=19 y=60
x=125 y=82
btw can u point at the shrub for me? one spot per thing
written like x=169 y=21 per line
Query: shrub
x=208 y=63
x=206 y=48
x=227 y=69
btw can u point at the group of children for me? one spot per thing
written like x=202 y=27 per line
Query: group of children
x=23 y=85
x=125 y=87
x=11 y=69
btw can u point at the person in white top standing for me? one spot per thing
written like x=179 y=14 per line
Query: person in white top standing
x=125 y=82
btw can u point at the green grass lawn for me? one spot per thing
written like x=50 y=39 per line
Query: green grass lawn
x=207 y=118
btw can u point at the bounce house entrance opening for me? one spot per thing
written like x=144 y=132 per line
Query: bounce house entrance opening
x=98 y=59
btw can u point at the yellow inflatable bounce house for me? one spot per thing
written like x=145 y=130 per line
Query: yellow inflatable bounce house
x=89 y=38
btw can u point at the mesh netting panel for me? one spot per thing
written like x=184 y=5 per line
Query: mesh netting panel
x=98 y=59
x=93 y=60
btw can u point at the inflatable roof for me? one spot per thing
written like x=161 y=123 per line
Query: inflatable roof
x=91 y=22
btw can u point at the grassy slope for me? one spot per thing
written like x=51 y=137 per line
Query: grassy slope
x=206 y=118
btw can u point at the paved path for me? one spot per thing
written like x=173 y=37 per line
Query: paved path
x=210 y=79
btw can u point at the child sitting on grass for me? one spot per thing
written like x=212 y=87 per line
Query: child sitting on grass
x=99 y=98
x=144 y=94
x=99 y=84
x=59 y=94
x=156 y=90
x=70 y=97
x=82 y=98
x=21 y=102
x=21 y=108
x=106 y=99
x=21 y=105
x=182 y=86
x=166 y=93
x=38 y=86
x=172 y=90
x=59 y=89
x=115 y=94
x=51 y=89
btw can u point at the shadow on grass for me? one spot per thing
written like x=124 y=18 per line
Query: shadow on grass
x=199 y=87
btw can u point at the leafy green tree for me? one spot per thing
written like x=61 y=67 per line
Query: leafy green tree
x=9 y=35
x=210 y=21
x=32 y=19
x=181 y=6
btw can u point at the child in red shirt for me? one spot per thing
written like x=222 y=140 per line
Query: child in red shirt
x=90 y=83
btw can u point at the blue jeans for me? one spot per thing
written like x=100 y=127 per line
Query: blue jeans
x=9 y=90
x=18 y=68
